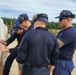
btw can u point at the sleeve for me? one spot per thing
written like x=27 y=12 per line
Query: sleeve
x=55 y=54
x=22 y=51
x=11 y=39
x=14 y=50
x=67 y=37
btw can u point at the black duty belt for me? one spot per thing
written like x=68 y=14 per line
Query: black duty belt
x=41 y=67
x=64 y=59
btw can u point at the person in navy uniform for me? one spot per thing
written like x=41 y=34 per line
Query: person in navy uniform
x=19 y=31
x=38 y=50
x=67 y=43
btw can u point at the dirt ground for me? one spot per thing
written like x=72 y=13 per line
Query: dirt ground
x=14 y=68
x=0 y=69
x=74 y=59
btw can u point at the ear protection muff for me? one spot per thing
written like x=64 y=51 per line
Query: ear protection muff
x=34 y=19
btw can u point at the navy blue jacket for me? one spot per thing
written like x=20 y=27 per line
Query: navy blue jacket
x=15 y=36
x=18 y=37
x=38 y=48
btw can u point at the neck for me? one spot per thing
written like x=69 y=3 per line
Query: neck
x=29 y=24
x=42 y=26
x=68 y=25
x=39 y=26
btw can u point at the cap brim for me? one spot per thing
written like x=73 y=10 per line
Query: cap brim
x=43 y=19
x=15 y=29
x=58 y=17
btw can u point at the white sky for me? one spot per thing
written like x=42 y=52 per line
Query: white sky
x=13 y=8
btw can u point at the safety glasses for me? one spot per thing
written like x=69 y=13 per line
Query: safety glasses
x=60 y=19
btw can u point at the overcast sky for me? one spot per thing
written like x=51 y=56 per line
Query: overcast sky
x=12 y=8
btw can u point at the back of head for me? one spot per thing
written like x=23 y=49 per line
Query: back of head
x=40 y=20
x=22 y=17
x=42 y=17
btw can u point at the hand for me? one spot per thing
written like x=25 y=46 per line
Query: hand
x=51 y=68
x=3 y=48
x=51 y=73
x=1 y=41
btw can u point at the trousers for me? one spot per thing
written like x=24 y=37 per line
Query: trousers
x=64 y=67
x=35 y=71
x=10 y=60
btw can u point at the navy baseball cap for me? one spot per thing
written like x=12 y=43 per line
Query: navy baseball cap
x=16 y=22
x=42 y=17
x=16 y=25
x=66 y=13
x=22 y=17
x=15 y=28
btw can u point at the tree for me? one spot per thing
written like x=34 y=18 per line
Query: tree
x=8 y=21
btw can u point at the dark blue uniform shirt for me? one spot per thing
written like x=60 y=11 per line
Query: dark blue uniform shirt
x=38 y=48
x=18 y=37
x=68 y=37
x=15 y=36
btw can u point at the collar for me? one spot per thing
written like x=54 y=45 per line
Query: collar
x=42 y=28
x=69 y=27
x=31 y=27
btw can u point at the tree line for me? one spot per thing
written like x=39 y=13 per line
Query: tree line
x=50 y=25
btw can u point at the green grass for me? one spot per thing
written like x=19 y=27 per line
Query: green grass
x=54 y=31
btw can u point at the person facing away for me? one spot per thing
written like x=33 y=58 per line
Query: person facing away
x=38 y=50
x=67 y=43
x=23 y=21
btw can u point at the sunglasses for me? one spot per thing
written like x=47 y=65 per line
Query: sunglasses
x=60 y=19
x=19 y=29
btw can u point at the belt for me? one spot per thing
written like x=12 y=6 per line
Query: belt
x=41 y=67
x=64 y=59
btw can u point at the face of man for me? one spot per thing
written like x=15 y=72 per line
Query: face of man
x=19 y=31
x=23 y=24
x=63 y=22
